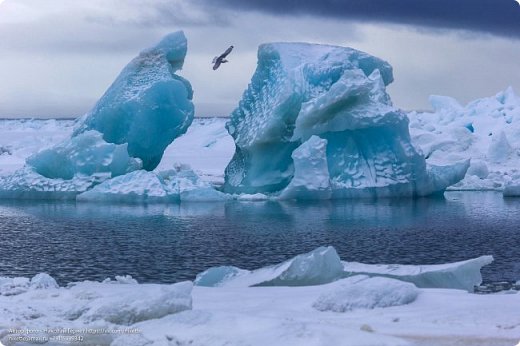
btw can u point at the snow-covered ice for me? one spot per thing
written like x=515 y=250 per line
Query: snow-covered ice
x=486 y=130
x=323 y=265
x=337 y=95
x=357 y=310
x=177 y=184
x=363 y=292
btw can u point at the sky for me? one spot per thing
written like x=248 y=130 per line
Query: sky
x=57 y=57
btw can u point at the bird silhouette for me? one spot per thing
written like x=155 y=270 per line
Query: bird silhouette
x=222 y=58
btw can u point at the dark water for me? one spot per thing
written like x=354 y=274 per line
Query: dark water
x=170 y=243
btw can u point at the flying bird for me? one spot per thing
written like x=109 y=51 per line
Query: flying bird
x=222 y=58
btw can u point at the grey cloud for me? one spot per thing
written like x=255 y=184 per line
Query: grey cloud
x=498 y=17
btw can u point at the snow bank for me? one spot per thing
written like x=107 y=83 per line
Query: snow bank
x=39 y=304
x=363 y=292
x=487 y=131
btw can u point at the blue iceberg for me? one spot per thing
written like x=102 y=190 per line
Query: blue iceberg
x=148 y=105
x=144 y=110
x=307 y=99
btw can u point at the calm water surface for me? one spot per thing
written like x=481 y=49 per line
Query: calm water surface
x=157 y=243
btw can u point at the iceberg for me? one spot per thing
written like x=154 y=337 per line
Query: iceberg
x=323 y=265
x=317 y=109
x=148 y=105
x=363 y=292
x=144 y=110
x=485 y=130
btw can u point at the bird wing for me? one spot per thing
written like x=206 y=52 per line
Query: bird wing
x=217 y=64
x=215 y=59
x=226 y=53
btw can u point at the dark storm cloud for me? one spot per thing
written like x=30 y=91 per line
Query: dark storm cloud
x=498 y=17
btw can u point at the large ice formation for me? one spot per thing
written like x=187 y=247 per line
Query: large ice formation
x=324 y=109
x=148 y=105
x=323 y=265
x=144 y=110
x=487 y=131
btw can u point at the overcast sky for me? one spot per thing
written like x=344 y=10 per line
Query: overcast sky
x=57 y=57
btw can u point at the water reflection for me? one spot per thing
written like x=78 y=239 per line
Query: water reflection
x=167 y=243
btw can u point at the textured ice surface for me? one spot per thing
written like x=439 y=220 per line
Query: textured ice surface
x=311 y=174
x=68 y=168
x=460 y=275
x=15 y=286
x=363 y=292
x=323 y=265
x=317 y=267
x=302 y=90
x=85 y=154
x=148 y=105
x=40 y=304
x=178 y=184
x=487 y=131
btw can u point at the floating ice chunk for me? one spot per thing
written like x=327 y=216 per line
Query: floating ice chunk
x=85 y=154
x=338 y=94
x=148 y=105
x=363 y=292
x=319 y=266
x=216 y=276
x=459 y=275
x=180 y=184
x=135 y=187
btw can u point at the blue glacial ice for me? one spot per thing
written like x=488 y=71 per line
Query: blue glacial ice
x=144 y=110
x=148 y=105
x=323 y=265
x=324 y=109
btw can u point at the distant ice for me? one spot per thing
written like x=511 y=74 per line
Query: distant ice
x=486 y=130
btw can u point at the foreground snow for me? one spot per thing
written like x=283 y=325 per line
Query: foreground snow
x=356 y=310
